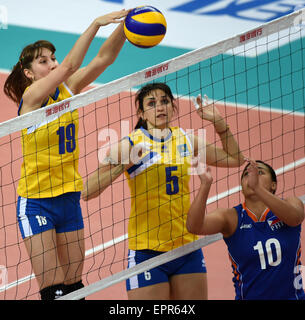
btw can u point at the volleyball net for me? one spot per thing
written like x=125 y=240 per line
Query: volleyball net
x=255 y=79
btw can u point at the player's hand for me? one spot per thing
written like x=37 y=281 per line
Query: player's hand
x=206 y=109
x=252 y=175
x=204 y=172
x=113 y=17
x=205 y=175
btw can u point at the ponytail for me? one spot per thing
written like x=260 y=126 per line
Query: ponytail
x=141 y=124
x=16 y=83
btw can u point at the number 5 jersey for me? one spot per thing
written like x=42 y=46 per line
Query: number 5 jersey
x=159 y=188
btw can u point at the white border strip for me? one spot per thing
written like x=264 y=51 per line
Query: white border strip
x=140 y=77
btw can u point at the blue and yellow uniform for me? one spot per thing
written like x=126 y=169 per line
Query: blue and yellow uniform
x=49 y=169
x=265 y=257
x=50 y=154
x=160 y=200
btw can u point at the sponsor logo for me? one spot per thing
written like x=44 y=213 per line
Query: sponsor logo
x=250 y=35
x=156 y=71
x=57 y=108
x=246 y=226
x=254 y=10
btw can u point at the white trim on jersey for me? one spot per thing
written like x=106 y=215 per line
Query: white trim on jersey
x=133 y=281
x=27 y=230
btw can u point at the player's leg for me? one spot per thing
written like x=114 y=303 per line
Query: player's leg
x=158 y=291
x=71 y=252
x=190 y=279
x=192 y=286
x=70 y=240
x=43 y=254
x=152 y=284
x=37 y=230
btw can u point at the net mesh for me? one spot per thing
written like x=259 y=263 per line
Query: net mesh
x=256 y=80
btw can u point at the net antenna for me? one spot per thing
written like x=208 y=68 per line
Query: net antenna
x=259 y=105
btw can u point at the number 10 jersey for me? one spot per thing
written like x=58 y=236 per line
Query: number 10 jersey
x=266 y=257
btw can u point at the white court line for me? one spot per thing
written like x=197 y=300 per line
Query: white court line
x=100 y=247
x=125 y=236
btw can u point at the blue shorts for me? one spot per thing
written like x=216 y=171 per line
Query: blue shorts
x=62 y=213
x=190 y=263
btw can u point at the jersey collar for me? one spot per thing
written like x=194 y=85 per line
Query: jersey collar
x=253 y=216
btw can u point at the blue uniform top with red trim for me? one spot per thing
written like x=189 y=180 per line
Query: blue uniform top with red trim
x=265 y=256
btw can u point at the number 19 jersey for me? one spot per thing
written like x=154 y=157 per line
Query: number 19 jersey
x=265 y=256
x=159 y=187
x=50 y=154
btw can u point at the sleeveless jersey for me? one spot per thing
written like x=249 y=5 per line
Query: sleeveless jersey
x=265 y=257
x=159 y=187
x=50 y=154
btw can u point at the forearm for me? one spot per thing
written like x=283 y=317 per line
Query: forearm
x=100 y=180
x=75 y=57
x=229 y=143
x=196 y=214
x=290 y=214
x=113 y=45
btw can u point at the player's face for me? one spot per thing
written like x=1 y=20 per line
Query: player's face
x=158 y=109
x=264 y=180
x=42 y=65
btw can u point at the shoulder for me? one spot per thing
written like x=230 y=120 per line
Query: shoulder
x=295 y=201
x=297 y=208
x=231 y=218
x=64 y=88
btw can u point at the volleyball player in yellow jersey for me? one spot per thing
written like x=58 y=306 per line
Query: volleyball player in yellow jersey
x=155 y=158
x=48 y=209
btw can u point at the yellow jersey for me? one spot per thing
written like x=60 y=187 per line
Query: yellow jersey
x=51 y=153
x=159 y=188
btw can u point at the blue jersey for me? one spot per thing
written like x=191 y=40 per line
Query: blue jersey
x=265 y=257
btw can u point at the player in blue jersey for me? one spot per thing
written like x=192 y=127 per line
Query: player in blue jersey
x=48 y=208
x=262 y=235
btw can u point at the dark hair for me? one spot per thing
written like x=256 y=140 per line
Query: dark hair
x=143 y=92
x=271 y=170
x=17 y=82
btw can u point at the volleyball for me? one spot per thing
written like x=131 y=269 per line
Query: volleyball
x=145 y=26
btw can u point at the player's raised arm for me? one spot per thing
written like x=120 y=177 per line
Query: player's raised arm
x=107 y=53
x=230 y=154
x=202 y=223
x=290 y=210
